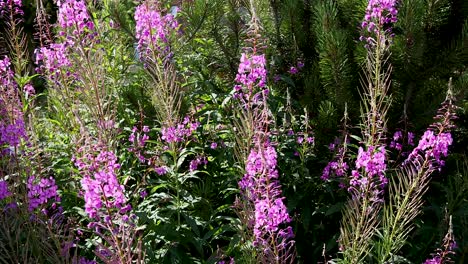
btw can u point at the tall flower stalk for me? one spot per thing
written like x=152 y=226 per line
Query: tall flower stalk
x=446 y=251
x=76 y=67
x=267 y=213
x=261 y=204
x=406 y=190
x=155 y=31
x=360 y=218
x=106 y=205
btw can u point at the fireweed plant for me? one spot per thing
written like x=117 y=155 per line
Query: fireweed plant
x=32 y=225
x=261 y=205
x=371 y=224
x=154 y=31
x=170 y=151
x=166 y=132
x=75 y=66
x=368 y=180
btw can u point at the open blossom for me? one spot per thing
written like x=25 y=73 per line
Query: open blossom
x=29 y=90
x=100 y=184
x=434 y=146
x=179 y=132
x=153 y=28
x=372 y=161
x=336 y=168
x=4 y=193
x=52 y=59
x=378 y=14
x=11 y=134
x=197 y=161
x=395 y=143
x=41 y=191
x=293 y=70
x=434 y=260
x=72 y=14
x=260 y=185
x=251 y=73
x=214 y=145
x=12 y=127
x=398 y=141
x=75 y=24
x=300 y=64
x=161 y=170
x=6 y=74
x=370 y=172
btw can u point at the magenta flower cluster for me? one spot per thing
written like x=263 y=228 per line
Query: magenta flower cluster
x=5 y=3
x=4 y=193
x=179 y=132
x=153 y=28
x=161 y=170
x=53 y=58
x=434 y=146
x=434 y=260
x=100 y=184
x=6 y=74
x=295 y=69
x=75 y=25
x=308 y=139
x=72 y=14
x=11 y=5
x=373 y=163
x=260 y=185
x=199 y=160
x=41 y=191
x=12 y=127
x=378 y=14
x=11 y=134
x=398 y=140
x=251 y=73
x=335 y=168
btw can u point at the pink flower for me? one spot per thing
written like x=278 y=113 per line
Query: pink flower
x=73 y=14
x=214 y=145
x=293 y=70
x=300 y=64
x=378 y=14
x=260 y=185
x=153 y=29
x=4 y=193
x=161 y=170
x=434 y=147
x=100 y=184
x=41 y=191
x=251 y=73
